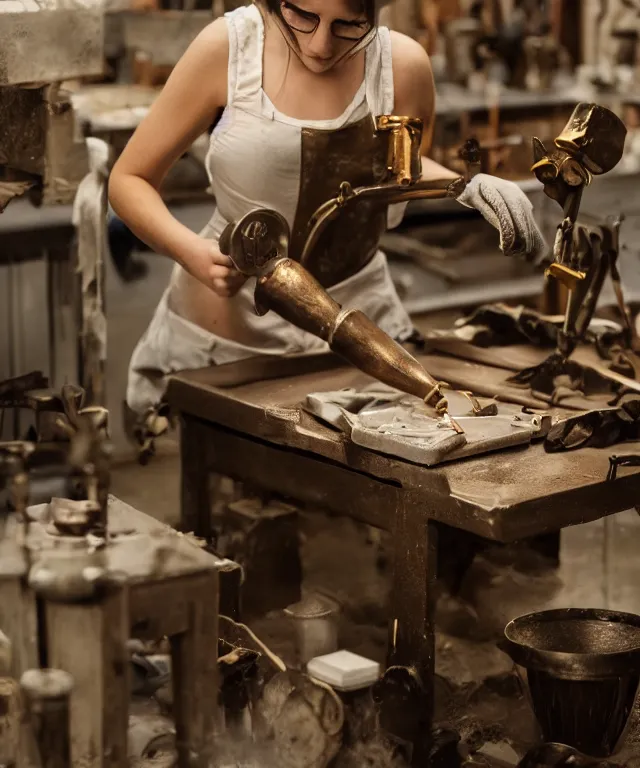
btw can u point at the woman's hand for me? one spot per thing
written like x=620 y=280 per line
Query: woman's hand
x=504 y=205
x=216 y=270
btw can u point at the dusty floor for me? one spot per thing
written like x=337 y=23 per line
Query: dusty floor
x=476 y=689
x=599 y=563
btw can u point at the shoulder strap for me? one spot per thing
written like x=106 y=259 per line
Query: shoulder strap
x=246 y=43
x=379 y=74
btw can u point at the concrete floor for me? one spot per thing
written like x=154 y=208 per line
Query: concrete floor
x=599 y=564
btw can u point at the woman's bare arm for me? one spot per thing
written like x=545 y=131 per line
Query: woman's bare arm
x=189 y=103
x=415 y=95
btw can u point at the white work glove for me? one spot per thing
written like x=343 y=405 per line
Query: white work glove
x=506 y=207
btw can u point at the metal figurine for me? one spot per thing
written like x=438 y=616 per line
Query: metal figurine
x=591 y=144
x=260 y=245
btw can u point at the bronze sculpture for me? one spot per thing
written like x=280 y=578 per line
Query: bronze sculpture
x=591 y=144
x=260 y=246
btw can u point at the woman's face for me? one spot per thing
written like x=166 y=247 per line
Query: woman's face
x=325 y=30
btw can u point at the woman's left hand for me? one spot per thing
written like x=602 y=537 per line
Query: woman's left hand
x=504 y=205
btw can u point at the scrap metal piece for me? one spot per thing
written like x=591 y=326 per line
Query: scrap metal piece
x=400 y=426
x=597 y=429
x=567 y=276
x=74 y=518
x=628 y=460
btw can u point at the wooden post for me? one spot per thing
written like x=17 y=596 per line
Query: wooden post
x=90 y=643
x=195 y=501
x=411 y=632
x=18 y=621
x=195 y=677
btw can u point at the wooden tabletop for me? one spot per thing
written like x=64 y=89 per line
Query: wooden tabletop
x=145 y=550
x=505 y=495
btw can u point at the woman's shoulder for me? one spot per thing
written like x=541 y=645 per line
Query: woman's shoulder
x=213 y=41
x=408 y=52
x=412 y=72
x=237 y=23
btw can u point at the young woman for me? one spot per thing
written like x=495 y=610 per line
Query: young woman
x=292 y=87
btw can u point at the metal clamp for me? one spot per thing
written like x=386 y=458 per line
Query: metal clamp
x=628 y=460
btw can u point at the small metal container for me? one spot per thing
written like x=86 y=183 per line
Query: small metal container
x=315 y=619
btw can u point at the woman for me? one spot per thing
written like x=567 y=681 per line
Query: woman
x=287 y=84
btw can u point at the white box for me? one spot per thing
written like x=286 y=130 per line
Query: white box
x=344 y=671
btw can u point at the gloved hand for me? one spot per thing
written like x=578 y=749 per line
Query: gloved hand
x=505 y=206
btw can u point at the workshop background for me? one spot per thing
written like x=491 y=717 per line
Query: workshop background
x=586 y=50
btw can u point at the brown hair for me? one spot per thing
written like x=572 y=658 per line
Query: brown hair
x=369 y=7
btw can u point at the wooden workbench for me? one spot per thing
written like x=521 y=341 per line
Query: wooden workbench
x=244 y=421
x=167 y=586
x=46 y=234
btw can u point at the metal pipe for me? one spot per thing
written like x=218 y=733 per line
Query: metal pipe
x=47 y=694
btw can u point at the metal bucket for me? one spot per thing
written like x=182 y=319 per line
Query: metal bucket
x=582 y=670
x=315 y=619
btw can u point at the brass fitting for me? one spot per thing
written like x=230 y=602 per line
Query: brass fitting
x=404 y=162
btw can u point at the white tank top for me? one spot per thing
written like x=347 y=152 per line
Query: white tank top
x=254 y=161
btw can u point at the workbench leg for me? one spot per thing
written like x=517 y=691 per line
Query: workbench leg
x=90 y=643
x=194 y=656
x=19 y=622
x=409 y=681
x=548 y=545
x=195 y=500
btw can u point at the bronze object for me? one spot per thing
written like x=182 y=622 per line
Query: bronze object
x=359 y=156
x=403 y=163
x=591 y=144
x=74 y=518
x=260 y=246
x=287 y=288
x=400 y=183
x=595 y=136
x=256 y=241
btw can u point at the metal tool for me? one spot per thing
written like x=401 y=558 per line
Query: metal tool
x=259 y=247
x=404 y=167
x=591 y=144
